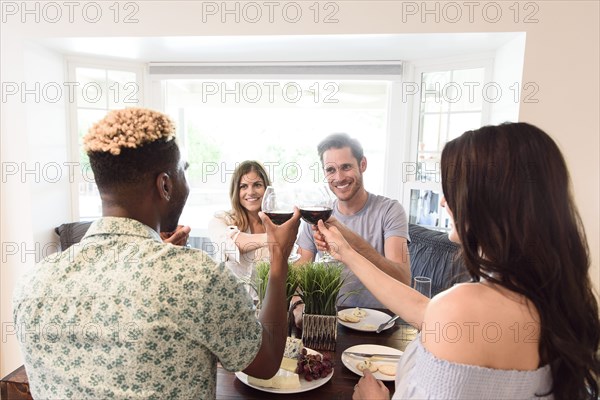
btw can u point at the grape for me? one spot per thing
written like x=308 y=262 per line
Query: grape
x=314 y=366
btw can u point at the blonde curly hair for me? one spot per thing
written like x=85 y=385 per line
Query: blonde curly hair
x=128 y=128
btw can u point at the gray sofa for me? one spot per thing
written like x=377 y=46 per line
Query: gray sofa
x=71 y=233
x=431 y=253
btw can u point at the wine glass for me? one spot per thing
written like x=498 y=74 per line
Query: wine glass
x=278 y=204
x=316 y=203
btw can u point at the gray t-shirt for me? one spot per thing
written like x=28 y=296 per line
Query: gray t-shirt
x=379 y=219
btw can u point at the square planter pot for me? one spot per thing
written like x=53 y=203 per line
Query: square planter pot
x=319 y=332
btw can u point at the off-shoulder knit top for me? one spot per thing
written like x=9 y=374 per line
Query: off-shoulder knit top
x=421 y=375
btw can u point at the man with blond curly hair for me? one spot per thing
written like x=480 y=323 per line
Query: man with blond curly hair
x=122 y=315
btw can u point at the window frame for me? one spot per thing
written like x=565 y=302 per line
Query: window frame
x=72 y=63
x=413 y=74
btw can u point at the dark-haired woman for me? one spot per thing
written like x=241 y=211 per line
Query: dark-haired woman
x=527 y=325
x=239 y=233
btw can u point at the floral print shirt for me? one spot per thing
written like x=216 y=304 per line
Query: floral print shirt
x=123 y=315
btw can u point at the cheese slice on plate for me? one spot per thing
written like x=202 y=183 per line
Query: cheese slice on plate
x=293 y=347
x=282 y=380
x=286 y=377
x=289 y=364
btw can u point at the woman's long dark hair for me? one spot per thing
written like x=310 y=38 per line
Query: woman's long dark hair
x=238 y=213
x=509 y=190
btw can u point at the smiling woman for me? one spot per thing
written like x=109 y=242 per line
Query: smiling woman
x=238 y=234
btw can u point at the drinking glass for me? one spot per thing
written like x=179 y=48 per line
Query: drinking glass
x=422 y=284
x=278 y=204
x=315 y=203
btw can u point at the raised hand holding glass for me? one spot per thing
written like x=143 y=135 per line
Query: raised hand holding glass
x=316 y=204
x=278 y=204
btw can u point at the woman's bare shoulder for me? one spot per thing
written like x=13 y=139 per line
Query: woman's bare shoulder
x=478 y=324
x=460 y=303
x=477 y=298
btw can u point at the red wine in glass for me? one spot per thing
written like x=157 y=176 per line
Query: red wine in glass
x=278 y=204
x=316 y=203
x=312 y=215
x=279 y=217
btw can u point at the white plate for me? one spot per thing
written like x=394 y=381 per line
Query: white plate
x=351 y=361
x=293 y=258
x=373 y=318
x=305 y=386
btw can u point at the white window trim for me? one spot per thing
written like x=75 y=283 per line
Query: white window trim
x=420 y=68
x=84 y=62
x=412 y=73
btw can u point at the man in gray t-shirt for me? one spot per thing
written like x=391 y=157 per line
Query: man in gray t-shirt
x=374 y=225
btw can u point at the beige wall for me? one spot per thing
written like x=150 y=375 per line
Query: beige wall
x=561 y=58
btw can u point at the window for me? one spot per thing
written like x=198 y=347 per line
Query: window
x=222 y=122
x=98 y=89
x=450 y=102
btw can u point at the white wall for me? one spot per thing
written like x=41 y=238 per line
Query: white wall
x=561 y=58
x=508 y=72
x=35 y=188
x=47 y=139
x=15 y=215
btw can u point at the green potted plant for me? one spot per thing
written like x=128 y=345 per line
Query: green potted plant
x=262 y=278
x=260 y=286
x=319 y=286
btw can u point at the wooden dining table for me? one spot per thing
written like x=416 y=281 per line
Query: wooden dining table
x=341 y=385
x=15 y=386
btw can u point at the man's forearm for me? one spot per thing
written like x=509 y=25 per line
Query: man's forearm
x=274 y=306
x=398 y=271
x=273 y=315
